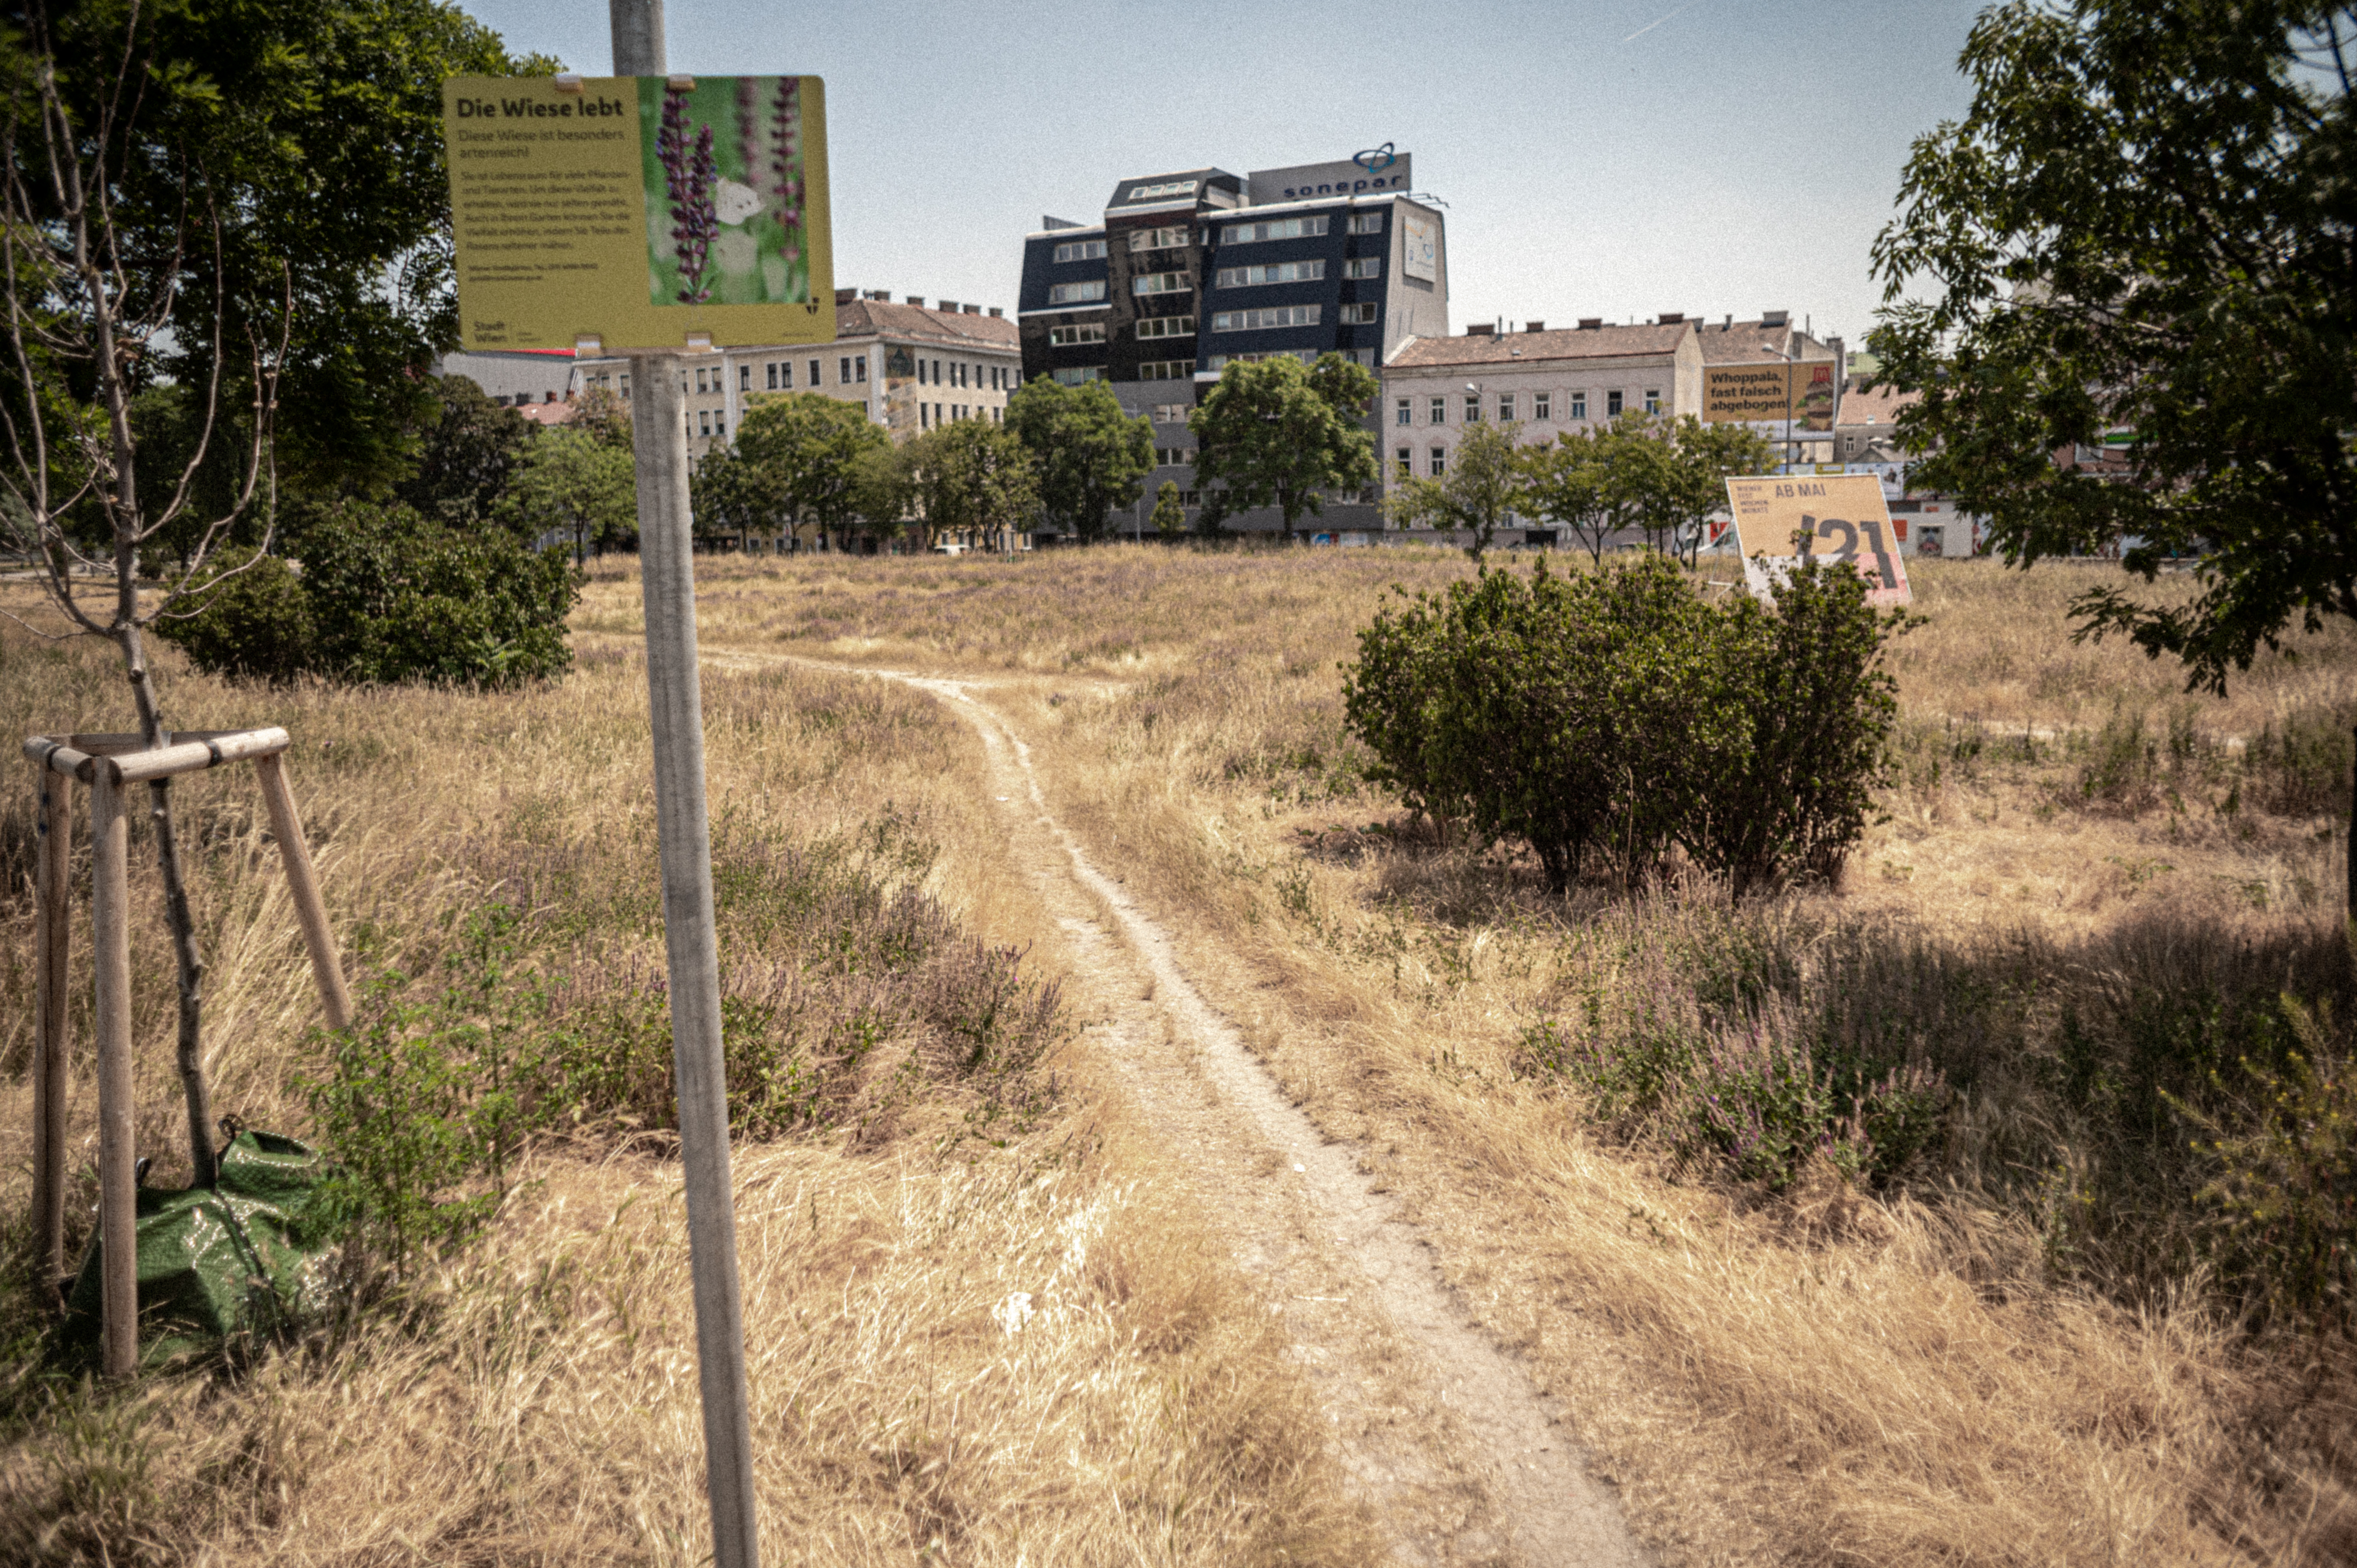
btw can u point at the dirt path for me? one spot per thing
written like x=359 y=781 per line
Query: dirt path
x=1438 y=1427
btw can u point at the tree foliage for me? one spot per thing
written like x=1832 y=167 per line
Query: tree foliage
x=973 y=476
x=572 y=481
x=471 y=448
x=1092 y=458
x=1169 y=512
x=1276 y=433
x=2146 y=228
x=802 y=457
x=1482 y=486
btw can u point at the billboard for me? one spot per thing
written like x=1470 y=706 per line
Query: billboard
x=645 y=212
x=1420 y=244
x=1787 y=518
x=1806 y=393
x=1376 y=170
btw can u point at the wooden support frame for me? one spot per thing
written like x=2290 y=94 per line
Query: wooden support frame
x=109 y=764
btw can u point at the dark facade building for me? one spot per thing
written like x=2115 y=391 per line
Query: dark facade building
x=1188 y=270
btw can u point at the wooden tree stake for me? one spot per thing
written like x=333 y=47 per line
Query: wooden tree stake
x=117 y=1186
x=52 y=947
x=288 y=829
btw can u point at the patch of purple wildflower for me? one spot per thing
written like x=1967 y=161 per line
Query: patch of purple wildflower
x=690 y=174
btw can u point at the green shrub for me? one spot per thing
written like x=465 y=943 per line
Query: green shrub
x=385 y=595
x=2299 y=765
x=1615 y=714
x=245 y=616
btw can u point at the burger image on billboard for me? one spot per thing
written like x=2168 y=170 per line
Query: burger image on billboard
x=1817 y=403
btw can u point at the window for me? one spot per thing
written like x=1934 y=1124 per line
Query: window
x=1168 y=238
x=843 y=371
x=773 y=375
x=814 y=374
x=1173 y=456
x=1406 y=459
x=1439 y=461
x=859 y=368
x=699 y=379
x=1505 y=406
x=1080 y=251
x=1653 y=400
x=924 y=415
x=720 y=424
x=1406 y=414
x=1579 y=405
x=1274 y=272
x=1159 y=282
x=1440 y=410
x=1611 y=404
x=625 y=387
x=704 y=421
x=1068 y=336
x=743 y=378
x=1219 y=361
x=1275 y=228
x=1472 y=408
x=1165 y=369
x=1078 y=375
x=1257 y=321
x=1366 y=222
x=997 y=417
x=1167 y=327
x=1190 y=497
x=1172 y=413
x=1541 y=403
x=1076 y=293
x=1167 y=188
x=1359 y=315
x=937 y=372
x=1364 y=267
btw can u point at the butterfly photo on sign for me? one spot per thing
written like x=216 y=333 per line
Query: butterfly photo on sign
x=727 y=190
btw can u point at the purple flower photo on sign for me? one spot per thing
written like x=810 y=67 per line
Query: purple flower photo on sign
x=725 y=189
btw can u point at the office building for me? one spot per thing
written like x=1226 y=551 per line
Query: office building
x=1185 y=271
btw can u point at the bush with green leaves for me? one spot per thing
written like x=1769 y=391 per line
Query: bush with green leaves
x=1611 y=717
x=385 y=595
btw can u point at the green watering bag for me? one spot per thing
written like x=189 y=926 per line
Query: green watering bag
x=231 y=1259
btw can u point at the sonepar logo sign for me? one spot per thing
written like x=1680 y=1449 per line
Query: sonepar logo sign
x=1373 y=171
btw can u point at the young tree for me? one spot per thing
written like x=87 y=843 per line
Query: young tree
x=971 y=475
x=1169 y=515
x=1694 y=482
x=802 y=455
x=2142 y=230
x=572 y=480
x=1276 y=433
x=723 y=501
x=1092 y=457
x=1482 y=486
x=883 y=490
x=251 y=208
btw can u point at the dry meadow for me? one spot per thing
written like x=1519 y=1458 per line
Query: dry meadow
x=2019 y=1353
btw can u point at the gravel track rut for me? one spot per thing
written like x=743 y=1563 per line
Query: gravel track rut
x=1439 y=1429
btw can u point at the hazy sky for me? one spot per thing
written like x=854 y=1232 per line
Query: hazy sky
x=1598 y=158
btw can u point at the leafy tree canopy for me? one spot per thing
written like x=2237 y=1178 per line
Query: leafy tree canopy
x=801 y=459
x=1483 y=486
x=470 y=451
x=1276 y=433
x=2144 y=228
x=1169 y=512
x=971 y=474
x=1092 y=457
x=573 y=481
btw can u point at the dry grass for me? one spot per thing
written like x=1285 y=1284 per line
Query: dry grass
x=1953 y=1374
x=534 y=1400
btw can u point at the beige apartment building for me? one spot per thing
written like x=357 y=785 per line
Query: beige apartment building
x=1556 y=381
x=911 y=365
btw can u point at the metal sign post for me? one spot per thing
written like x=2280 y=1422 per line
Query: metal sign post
x=675 y=707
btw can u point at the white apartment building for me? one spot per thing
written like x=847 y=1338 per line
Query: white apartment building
x=910 y=365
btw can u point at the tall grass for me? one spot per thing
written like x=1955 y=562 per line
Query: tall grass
x=2024 y=1319
x=922 y=1165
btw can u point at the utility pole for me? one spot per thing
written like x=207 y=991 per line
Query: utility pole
x=675 y=707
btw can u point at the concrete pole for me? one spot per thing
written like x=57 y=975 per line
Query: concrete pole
x=675 y=706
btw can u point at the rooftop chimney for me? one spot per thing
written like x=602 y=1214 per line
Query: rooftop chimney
x=1481 y=330
x=1590 y=323
x=917 y=299
x=1670 y=319
x=1775 y=317
x=996 y=311
x=949 y=306
x=976 y=310
x=846 y=295
x=1534 y=326
x=883 y=294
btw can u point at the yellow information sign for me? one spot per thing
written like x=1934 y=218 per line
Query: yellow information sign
x=1830 y=516
x=1804 y=392
x=645 y=212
